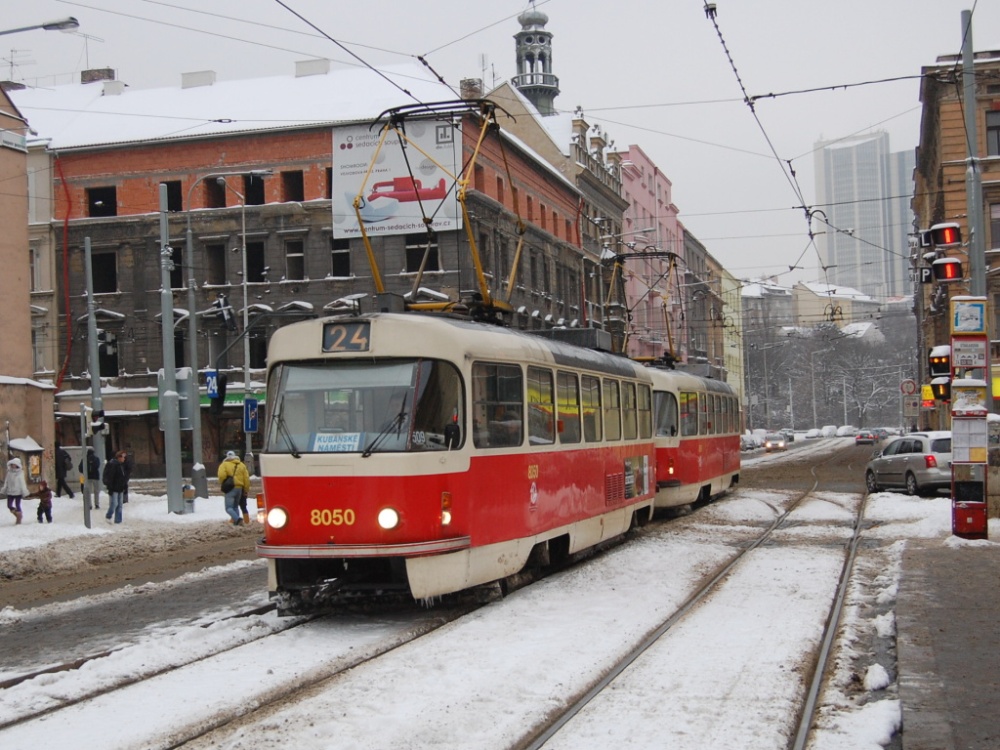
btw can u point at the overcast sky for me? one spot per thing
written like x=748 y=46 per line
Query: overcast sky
x=652 y=73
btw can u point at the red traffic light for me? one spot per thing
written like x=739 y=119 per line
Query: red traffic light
x=943 y=235
x=947 y=269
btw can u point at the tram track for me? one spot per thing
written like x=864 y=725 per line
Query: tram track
x=366 y=649
x=542 y=735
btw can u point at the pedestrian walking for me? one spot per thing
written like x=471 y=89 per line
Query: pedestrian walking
x=15 y=487
x=63 y=464
x=90 y=477
x=44 y=496
x=129 y=465
x=234 y=479
x=115 y=480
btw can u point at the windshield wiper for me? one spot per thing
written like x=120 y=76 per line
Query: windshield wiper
x=283 y=428
x=396 y=422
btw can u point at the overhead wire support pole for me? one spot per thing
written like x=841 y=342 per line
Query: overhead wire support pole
x=974 y=188
x=170 y=402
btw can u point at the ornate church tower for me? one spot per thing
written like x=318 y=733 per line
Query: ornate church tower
x=534 y=76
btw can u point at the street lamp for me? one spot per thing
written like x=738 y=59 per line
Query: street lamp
x=198 y=478
x=63 y=24
x=221 y=180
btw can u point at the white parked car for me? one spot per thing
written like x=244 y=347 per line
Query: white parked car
x=829 y=430
x=815 y=432
x=847 y=431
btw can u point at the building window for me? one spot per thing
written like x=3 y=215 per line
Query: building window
x=177 y=272
x=256 y=270
x=531 y=209
x=215 y=256
x=484 y=254
x=105 y=268
x=38 y=349
x=295 y=260
x=340 y=258
x=500 y=192
x=419 y=245
x=993 y=133
x=35 y=272
x=175 y=198
x=253 y=190
x=292 y=186
x=479 y=179
x=102 y=201
x=215 y=194
x=107 y=360
x=328 y=192
x=994 y=225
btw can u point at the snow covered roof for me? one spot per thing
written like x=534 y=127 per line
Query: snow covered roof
x=87 y=115
x=836 y=292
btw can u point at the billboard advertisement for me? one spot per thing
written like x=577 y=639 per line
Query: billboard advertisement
x=401 y=188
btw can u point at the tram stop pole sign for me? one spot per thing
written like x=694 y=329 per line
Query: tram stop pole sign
x=250 y=415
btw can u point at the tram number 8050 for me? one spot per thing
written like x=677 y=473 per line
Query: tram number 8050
x=332 y=517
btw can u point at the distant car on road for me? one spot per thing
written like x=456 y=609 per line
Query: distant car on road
x=919 y=462
x=815 y=432
x=829 y=430
x=789 y=434
x=865 y=437
x=774 y=441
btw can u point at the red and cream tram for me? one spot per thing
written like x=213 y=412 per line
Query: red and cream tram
x=432 y=454
x=696 y=429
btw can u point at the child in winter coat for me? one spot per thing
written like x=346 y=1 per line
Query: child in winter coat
x=44 y=496
x=14 y=487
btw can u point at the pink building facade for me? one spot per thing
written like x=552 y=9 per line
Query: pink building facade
x=651 y=283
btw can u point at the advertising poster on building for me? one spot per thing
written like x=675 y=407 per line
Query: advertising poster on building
x=401 y=188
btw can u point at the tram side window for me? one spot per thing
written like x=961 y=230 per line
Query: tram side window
x=689 y=414
x=497 y=405
x=591 y=393
x=612 y=410
x=703 y=426
x=569 y=407
x=644 y=411
x=630 y=427
x=665 y=413
x=727 y=425
x=541 y=407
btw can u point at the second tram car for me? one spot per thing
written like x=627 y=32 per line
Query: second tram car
x=430 y=454
x=697 y=435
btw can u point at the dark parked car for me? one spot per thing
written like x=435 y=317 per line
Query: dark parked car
x=865 y=437
x=919 y=463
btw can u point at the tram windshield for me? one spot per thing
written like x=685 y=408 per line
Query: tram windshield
x=364 y=407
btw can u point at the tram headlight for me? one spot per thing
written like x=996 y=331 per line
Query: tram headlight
x=277 y=518
x=445 y=517
x=388 y=518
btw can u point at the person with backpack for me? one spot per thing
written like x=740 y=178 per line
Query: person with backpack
x=234 y=480
x=63 y=464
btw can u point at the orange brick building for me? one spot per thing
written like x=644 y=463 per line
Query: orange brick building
x=106 y=169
